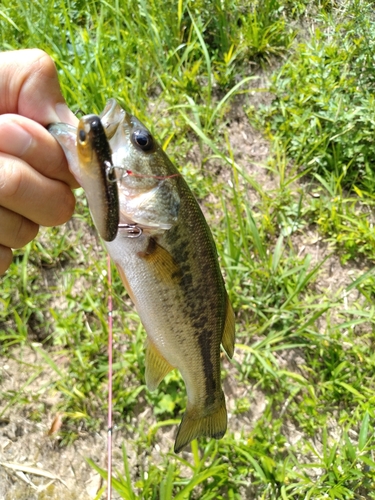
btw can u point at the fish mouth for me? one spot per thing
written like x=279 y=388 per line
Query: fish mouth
x=66 y=136
x=113 y=116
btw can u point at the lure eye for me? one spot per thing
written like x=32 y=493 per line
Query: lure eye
x=143 y=139
x=82 y=135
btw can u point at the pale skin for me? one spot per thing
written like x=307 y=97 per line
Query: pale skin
x=35 y=183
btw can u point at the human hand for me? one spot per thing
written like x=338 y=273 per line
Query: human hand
x=35 y=183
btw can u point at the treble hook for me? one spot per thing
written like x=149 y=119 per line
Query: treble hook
x=112 y=172
x=132 y=230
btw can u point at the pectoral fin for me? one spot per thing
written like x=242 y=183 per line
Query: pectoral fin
x=156 y=366
x=162 y=262
x=229 y=330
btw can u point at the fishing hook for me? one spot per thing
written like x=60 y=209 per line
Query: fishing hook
x=79 y=111
x=111 y=172
x=132 y=230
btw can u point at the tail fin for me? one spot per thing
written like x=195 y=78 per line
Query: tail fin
x=213 y=425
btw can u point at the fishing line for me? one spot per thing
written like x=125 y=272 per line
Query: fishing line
x=114 y=174
x=133 y=232
x=110 y=342
x=160 y=177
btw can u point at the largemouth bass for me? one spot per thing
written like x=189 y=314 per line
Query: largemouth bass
x=166 y=257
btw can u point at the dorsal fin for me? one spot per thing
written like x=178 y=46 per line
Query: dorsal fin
x=229 y=329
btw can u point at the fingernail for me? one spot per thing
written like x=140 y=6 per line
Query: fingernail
x=14 y=140
x=65 y=115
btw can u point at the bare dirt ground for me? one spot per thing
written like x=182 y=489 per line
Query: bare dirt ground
x=34 y=466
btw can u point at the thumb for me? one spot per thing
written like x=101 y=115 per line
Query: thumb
x=29 y=87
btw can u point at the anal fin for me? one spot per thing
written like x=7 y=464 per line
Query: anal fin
x=229 y=330
x=156 y=366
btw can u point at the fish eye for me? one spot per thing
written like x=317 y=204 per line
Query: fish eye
x=143 y=139
x=82 y=135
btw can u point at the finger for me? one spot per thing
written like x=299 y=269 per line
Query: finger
x=29 y=86
x=6 y=258
x=25 y=191
x=29 y=141
x=15 y=230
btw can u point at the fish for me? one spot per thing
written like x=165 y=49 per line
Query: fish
x=166 y=257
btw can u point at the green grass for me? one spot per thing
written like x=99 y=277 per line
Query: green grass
x=295 y=239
